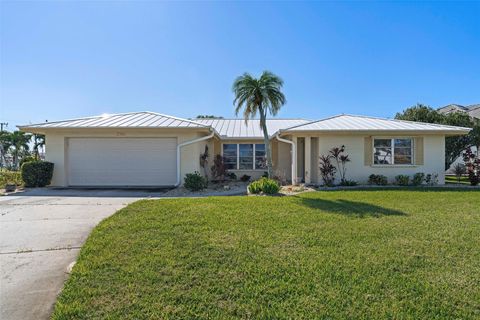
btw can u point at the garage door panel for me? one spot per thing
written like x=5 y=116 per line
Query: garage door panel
x=122 y=161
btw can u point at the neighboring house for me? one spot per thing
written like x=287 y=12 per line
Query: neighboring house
x=151 y=149
x=472 y=110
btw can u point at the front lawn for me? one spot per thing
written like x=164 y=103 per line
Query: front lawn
x=394 y=254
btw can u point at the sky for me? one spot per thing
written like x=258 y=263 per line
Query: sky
x=62 y=60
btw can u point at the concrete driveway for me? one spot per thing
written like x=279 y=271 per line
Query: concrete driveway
x=41 y=232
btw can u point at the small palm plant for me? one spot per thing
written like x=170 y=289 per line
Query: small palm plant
x=263 y=96
x=338 y=154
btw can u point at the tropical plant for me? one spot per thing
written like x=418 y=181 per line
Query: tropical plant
x=259 y=96
x=327 y=170
x=219 y=170
x=459 y=170
x=19 y=145
x=264 y=185
x=338 y=154
x=38 y=143
x=204 y=161
x=472 y=164
x=5 y=144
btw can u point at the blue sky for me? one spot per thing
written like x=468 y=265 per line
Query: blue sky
x=70 y=59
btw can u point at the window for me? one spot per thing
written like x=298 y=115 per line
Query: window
x=260 y=158
x=244 y=156
x=393 y=151
x=230 y=156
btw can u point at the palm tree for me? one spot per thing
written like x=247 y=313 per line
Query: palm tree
x=260 y=96
x=5 y=144
x=19 y=142
x=38 y=142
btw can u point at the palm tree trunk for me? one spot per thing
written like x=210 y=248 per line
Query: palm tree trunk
x=266 y=141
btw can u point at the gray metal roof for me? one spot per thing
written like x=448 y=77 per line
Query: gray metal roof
x=144 y=119
x=363 y=123
x=237 y=128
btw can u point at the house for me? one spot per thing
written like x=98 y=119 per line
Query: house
x=152 y=149
x=472 y=110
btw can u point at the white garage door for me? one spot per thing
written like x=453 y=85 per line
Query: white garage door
x=122 y=161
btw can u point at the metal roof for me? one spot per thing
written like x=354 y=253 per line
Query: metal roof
x=363 y=123
x=237 y=128
x=144 y=119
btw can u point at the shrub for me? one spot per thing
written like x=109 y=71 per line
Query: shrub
x=195 y=181
x=472 y=164
x=402 y=180
x=418 y=178
x=264 y=185
x=245 y=178
x=348 y=183
x=232 y=176
x=10 y=177
x=378 y=179
x=431 y=179
x=37 y=173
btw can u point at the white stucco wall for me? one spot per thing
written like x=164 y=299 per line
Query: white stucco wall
x=434 y=154
x=56 y=147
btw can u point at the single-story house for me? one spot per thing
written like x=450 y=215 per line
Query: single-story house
x=145 y=149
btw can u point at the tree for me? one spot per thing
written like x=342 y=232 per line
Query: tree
x=206 y=116
x=454 y=146
x=38 y=142
x=420 y=113
x=5 y=144
x=262 y=96
x=20 y=145
x=475 y=138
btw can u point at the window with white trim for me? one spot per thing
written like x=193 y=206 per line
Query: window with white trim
x=395 y=151
x=244 y=156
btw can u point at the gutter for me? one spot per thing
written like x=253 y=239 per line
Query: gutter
x=211 y=135
x=294 y=156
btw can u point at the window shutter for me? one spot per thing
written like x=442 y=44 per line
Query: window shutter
x=419 y=153
x=368 y=151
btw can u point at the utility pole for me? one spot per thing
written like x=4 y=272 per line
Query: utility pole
x=3 y=124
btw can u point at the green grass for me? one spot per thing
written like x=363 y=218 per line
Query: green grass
x=454 y=180
x=396 y=254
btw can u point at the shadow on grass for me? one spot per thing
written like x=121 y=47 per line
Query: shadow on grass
x=447 y=188
x=349 y=208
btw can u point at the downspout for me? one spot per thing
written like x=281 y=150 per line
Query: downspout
x=185 y=144
x=294 y=157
